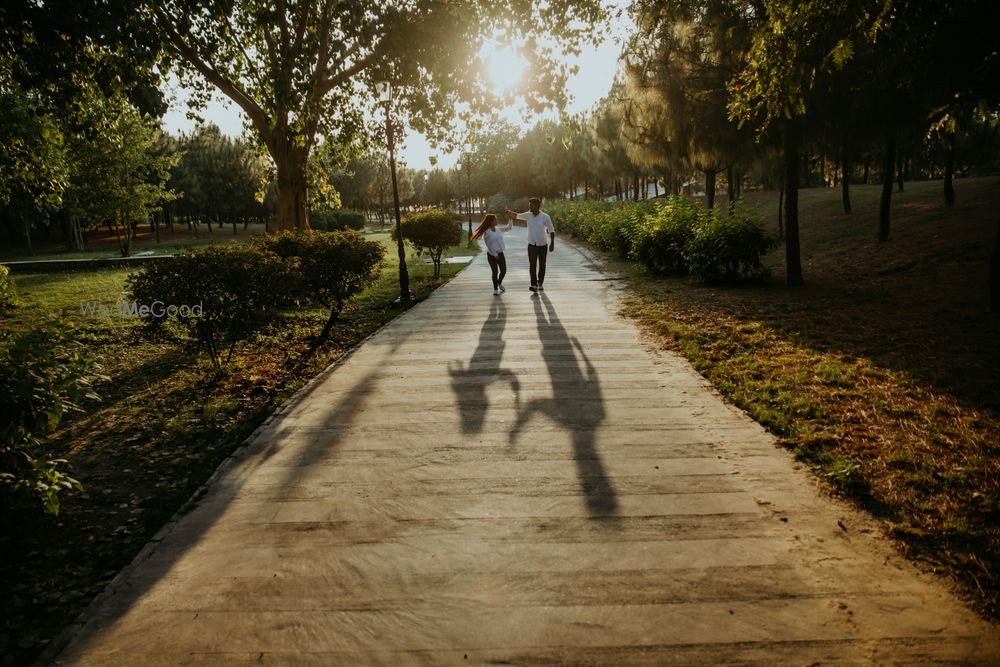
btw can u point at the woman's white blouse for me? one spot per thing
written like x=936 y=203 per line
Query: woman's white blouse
x=494 y=239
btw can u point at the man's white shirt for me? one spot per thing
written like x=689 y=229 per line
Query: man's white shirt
x=539 y=227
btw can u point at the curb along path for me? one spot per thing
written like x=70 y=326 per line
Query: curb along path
x=521 y=478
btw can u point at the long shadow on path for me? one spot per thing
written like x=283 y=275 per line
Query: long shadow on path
x=471 y=382
x=576 y=404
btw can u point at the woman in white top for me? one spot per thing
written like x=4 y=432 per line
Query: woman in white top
x=493 y=237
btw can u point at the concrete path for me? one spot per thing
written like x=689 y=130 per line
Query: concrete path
x=521 y=480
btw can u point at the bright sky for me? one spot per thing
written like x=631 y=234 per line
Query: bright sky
x=597 y=64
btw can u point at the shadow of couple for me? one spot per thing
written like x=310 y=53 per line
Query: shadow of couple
x=576 y=404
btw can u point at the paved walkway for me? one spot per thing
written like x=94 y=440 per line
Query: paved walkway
x=521 y=480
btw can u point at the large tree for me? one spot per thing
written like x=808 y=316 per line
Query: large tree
x=678 y=63
x=303 y=69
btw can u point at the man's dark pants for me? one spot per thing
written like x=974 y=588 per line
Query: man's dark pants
x=536 y=262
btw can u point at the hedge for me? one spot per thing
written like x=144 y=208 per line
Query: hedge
x=672 y=236
x=336 y=219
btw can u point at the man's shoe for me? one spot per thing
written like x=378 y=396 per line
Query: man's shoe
x=533 y=288
x=496 y=291
x=541 y=289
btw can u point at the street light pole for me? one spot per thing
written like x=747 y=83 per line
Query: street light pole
x=385 y=96
x=468 y=171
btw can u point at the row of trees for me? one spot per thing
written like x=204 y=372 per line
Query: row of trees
x=773 y=94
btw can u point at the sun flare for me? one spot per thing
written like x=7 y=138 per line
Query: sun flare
x=504 y=67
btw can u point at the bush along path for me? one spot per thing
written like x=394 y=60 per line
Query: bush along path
x=165 y=415
x=520 y=479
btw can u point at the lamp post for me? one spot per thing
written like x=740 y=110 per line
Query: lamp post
x=468 y=172
x=385 y=97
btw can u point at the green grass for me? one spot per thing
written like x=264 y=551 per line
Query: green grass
x=59 y=295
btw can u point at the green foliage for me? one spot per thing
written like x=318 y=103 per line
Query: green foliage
x=674 y=236
x=727 y=248
x=434 y=231
x=8 y=297
x=218 y=177
x=334 y=266
x=662 y=240
x=307 y=69
x=43 y=375
x=231 y=292
x=332 y=220
x=33 y=167
x=119 y=172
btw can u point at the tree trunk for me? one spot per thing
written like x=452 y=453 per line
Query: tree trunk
x=709 y=188
x=899 y=173
x=74 y=236
x=27 y=234
x=995 y=275
x=730 y=193
x=949 y=172
x=156 y=227
x=845 y=179
x=781 y=198
x=885 y=205
x=334 y=315
x=793 y=260
x=291 y=167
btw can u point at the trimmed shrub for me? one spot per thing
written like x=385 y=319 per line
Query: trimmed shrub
x=726 y=248
x=660 y=241
x=220 y=294
x=336 y=219
x=433 y=231
x=675 y=236
x=8 y=299
x=334 y=266
x=43 y=375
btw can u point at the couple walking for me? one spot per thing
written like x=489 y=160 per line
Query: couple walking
x=539 y=246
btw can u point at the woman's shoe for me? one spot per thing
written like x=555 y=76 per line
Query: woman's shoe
x=502 y=288
x=496 y=291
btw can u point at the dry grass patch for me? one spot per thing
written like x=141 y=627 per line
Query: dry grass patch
x=882 y=371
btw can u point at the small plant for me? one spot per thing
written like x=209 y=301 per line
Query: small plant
x=8 y=298
x=433 y=231
x=235 y=288
x=43 y=375
x=334 y=267
x=845 y=472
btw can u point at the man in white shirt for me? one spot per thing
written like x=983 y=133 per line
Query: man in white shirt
x=539 y=224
